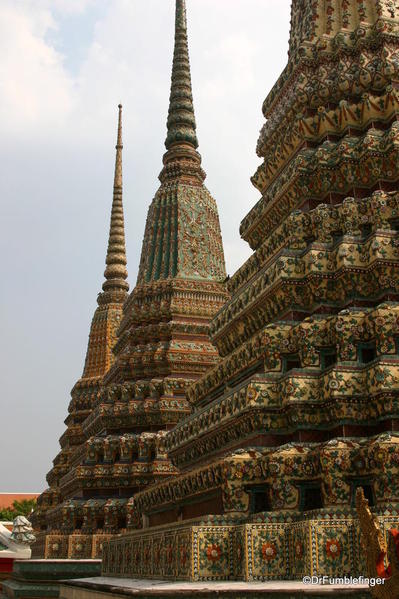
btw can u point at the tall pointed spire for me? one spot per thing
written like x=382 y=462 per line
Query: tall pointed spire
x=181 y=119
x=182 y=238
x=116 y=273
x=103 y=334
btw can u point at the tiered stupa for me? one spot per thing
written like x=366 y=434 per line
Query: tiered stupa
x=303 y=408
x=99 y=357
x=162 y=346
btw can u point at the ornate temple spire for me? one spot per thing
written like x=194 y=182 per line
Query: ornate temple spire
x=181 y=120
x=116 y=273
x=182 y=238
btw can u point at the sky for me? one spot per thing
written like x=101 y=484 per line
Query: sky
x=65 y=65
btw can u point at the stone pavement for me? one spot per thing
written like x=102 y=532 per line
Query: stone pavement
x=102 y=587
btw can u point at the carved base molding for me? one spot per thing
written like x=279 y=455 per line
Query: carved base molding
x=75 y=546
x=284 y=546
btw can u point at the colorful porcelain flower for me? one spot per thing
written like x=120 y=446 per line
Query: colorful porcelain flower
x=307 y=467
x=360 y=464
x=290 y=389
x=269 y=551
x=333 y=548
x=251 y=393
x=213 y=553
x=380 y=455
x=258 y=471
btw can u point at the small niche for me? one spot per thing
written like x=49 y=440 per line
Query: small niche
x=367 y=353
x=100 y=524
x=260 y=501
x=366 y=230
x=291 y=362
x=310 y=239
x=328 y=357
x=394 y=224
x=337 y=237
x=312 y=498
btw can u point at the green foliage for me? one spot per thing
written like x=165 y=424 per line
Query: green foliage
x=19 y=508
x=7 y=514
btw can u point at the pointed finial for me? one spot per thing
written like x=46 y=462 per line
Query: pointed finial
x=181 y=120
x=115 y=272
x=119 y=148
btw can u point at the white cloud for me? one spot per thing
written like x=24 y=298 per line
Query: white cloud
x=69 y=7
x=60 y=7
x=35 y=89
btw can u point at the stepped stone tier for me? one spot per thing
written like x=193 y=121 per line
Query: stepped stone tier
x=303 y=407
x=39 y=579
x=144 y=350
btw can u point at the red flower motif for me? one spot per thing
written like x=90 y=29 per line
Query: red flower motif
x=169 y=554
x=298 y=549
x=157 y=555
x=213 y=553
x=239 y=552
x=333 y=548
x=269 y=551
x=183 y=555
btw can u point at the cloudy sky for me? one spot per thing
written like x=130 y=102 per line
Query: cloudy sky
x=65 y=65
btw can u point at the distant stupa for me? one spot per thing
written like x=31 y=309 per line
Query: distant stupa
x=144 y=349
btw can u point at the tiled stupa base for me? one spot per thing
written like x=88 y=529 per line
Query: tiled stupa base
x=281 y=547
